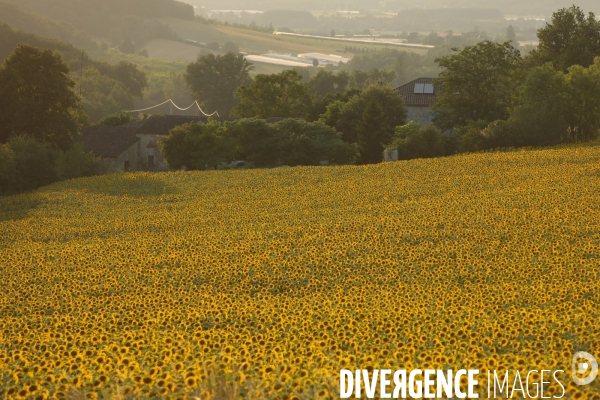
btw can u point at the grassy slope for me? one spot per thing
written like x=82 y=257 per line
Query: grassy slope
x=257 y=42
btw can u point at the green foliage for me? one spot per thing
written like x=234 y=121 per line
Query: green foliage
x=379 y=59
x=352 y=118
x=76 y=163
x=571 y=38
x=215 y=79
x=469 y=79
x=289 y=142
x=117 y=119
x=32 y=163
x=328 y=83
x=361 y=80
x=371 y=133
x=414 y=141
x=538 y=119
x=36 y=97
x=102 y=95
x=471 y=137
x=197 y=146
x=256 y=141
x=127 y=73
x=555 y=107
x=331 y=114
x=106 y=88
x=27 y=164
x=309 y=143
x=433 y=39
x=167 y=85
x=230 y=47
x=276 y=95
x=583 y=102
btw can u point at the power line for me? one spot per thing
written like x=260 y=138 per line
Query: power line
x=195 y=103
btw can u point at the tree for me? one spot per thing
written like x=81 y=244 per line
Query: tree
x=197 y=146
x=214 y=80
x=477 y=83
x=583 y=102
x=414 y=141
x=332 y=34
x=371 y=134
x=538 y=118
x=315 y=62
x=127 y=46
x=230 y=47
x=368 y=119
x=102 y=95
x=362 y=80
x=117 y=119
x=37 y=97
x=255 y=141
x=511 y=36
x=309 y=143
x=276 y=95
x=128 y=74
x=326 y=82
x=557 y=107
x=433 y=39
x=569 y=39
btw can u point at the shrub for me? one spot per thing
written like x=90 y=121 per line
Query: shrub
x=414 y=141
x=309 y=143
x=27 y=164
x=35 y=163
x=197 y=146
x=76 y=163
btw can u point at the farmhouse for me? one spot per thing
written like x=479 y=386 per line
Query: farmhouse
x=418 y=96
x=133 y=147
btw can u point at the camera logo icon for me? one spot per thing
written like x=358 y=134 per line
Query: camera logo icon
x=584 y=368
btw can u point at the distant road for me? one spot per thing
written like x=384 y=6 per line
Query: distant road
x=392 y=42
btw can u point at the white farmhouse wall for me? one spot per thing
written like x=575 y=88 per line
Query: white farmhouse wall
x=149 y=147
x=118 y=163
x=421 y=115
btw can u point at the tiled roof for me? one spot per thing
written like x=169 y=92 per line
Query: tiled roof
x=108 y=141
x=407 y=91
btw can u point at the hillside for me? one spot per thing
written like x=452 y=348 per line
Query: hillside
x=110 y=20
x=255 y=42
x=43 y=26
x=265 y=283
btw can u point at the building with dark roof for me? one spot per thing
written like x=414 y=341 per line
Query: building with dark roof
x=419 y=95
x=134 y=146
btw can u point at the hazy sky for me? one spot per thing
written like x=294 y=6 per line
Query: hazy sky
x=518 y=7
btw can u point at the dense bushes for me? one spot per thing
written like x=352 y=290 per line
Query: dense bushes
x=288 y=142
x=26 y=164
x=553 y=107
x=414 y=141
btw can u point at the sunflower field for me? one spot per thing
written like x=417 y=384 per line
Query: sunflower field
x=263 y=284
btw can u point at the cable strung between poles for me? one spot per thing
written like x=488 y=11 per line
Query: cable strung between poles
x=195 y=103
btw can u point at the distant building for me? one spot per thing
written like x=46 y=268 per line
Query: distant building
x=325 y=59
x=419 y=95
x=134 y=147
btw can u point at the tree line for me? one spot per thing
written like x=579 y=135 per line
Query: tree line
x=489 y=96
x=496 y=98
